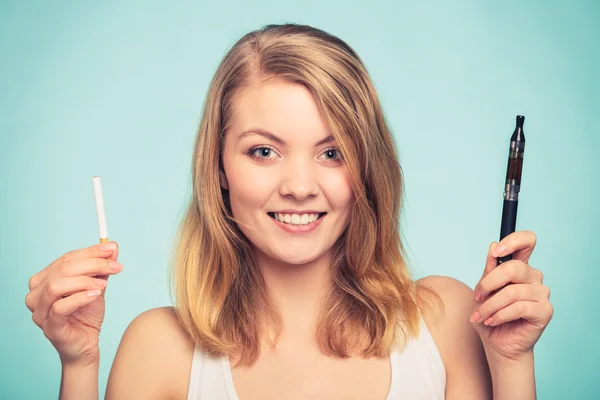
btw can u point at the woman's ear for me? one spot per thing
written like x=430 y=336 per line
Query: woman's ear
x=223 y=180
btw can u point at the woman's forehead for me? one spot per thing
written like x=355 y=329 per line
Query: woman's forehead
x=278 y=109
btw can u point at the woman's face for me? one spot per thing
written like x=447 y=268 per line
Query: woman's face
x=288 y=186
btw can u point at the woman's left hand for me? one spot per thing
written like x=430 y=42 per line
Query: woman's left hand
x=513 y=306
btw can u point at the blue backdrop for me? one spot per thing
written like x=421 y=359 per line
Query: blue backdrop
x=116 y=90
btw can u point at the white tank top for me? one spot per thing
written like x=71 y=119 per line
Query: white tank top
x=417 y=373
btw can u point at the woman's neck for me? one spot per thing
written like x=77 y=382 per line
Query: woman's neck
x=297 y=292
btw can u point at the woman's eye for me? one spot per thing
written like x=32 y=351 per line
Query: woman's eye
x=332 y=155
x=262 y=152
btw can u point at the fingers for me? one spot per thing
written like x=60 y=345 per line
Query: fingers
x=513 y=271
x=101 y=250
x=536 y=312
x=520 y=244
x=61 y=309
x=48 y=285
x=83 y=268
x=90 y=267
x=507 y=296
x=62 y=287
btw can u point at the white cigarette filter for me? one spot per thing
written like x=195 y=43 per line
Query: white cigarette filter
x=100 y=209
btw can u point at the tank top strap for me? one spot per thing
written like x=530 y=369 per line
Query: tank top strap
x=417 y=368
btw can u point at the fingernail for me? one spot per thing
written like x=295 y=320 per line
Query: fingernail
x=475 y=317
x=477 y=295
x=488 y=321
x=115 y=266
x=108 y=246
x=499 y=250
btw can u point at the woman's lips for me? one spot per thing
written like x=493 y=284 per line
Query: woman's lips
x=291 y=228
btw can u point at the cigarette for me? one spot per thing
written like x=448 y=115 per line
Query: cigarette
x=100 y=209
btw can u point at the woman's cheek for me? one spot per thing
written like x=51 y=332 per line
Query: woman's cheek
x=338 y=188
x=251 y=182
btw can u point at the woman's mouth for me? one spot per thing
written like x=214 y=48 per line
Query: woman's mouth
x=297 y=223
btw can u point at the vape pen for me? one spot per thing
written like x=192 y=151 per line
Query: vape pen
x=513 y=183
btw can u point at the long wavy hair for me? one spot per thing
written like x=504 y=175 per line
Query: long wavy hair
x=220 y=296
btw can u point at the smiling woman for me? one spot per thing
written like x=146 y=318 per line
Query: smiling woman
x=289 y=273
x=300 y=248
x=295 y=175
x=282 y=115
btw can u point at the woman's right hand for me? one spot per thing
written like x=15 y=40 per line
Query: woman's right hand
x=60 y=301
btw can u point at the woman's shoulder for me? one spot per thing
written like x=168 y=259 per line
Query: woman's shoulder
x=452 y=299
x=154 y=357
x=446 y=304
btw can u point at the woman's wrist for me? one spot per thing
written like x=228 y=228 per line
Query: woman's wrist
x=501 y=361
x=91 y=358
x=79 y=380
x=513 y=378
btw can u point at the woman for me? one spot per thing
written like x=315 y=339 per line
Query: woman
x=289 y=272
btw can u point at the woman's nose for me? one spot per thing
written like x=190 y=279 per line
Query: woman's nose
x=298 y=180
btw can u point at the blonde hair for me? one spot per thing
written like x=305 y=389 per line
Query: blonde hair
x=219 y=291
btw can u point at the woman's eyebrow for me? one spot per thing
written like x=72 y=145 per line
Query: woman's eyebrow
x=271 y=136
x=328 y=139
x=261 y=132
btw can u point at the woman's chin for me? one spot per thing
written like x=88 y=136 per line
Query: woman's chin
x=295 y=256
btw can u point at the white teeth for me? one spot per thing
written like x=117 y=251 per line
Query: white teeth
x=296 y=219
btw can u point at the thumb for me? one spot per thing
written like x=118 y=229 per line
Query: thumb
x=113 y=256
x=491 y=261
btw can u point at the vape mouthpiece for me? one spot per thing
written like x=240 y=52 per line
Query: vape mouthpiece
x=518 y=135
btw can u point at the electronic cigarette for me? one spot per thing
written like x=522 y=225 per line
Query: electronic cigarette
x=513 y=183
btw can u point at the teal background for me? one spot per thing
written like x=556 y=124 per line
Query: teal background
x=116 y=90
